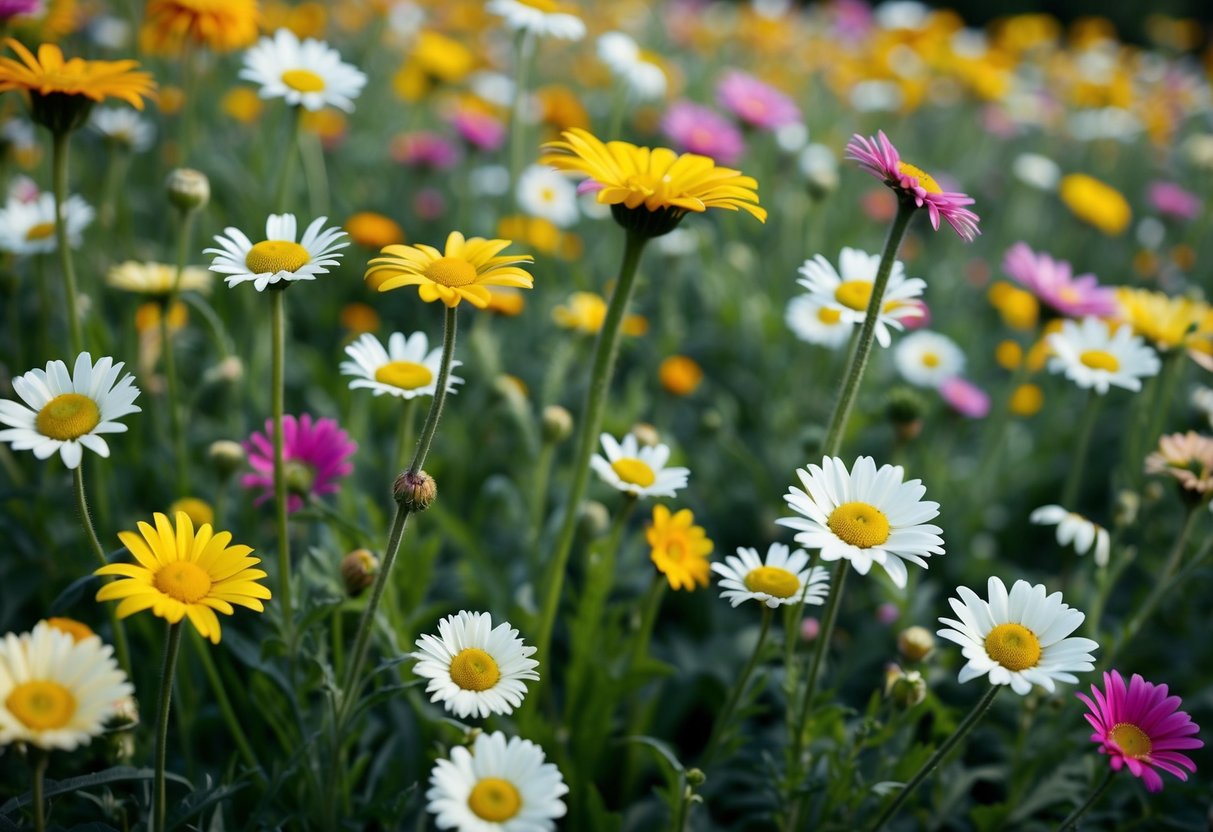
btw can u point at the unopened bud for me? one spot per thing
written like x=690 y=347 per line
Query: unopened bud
x=646 y=435
x=696 y=777
x=358 y=570
x=557 y=424
x=905 y=688
x=904 y=409
x=227 y=457
x=915 y=643
x=415 y=491
x=125 y=716
x=595 y=519
x=1127 y=504
x=188 y=189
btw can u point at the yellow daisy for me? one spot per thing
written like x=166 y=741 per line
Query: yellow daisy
x=1096 y=203
x=180 y=572
x=680 y=549
x=464 y=271
x=220 y=25
x=1169 y=322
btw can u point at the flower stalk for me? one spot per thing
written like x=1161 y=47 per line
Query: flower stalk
x=172 y=647
x=721 y=726
x=59 y=156
x=121 y=648
x=1086 y=428
x=1074 y=816
x=278 y=394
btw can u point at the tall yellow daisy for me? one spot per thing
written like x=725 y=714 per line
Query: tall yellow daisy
x=183 y=573
x=680 y=549
x=219 y=25
x=464 y=271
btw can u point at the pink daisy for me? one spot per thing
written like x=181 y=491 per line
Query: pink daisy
x=754 y=102
x=315 y=455
x=1053 y=282
x=424 y=149
x=1171 y=200
x=698 y=129
x=480 y=130
x=965 y=397
x=882 y=160
x=1139 y=726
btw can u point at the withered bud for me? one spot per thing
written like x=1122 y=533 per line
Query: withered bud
x=415 y=491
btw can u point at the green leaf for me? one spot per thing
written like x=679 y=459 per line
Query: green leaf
x=117 y=774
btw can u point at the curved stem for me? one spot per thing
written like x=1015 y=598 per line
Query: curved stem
x=278 y=361
x=172 y=646
x=59 y=153
x=120 y=646
x=837 y=580
x=170 y=365
x=1082 y=810
x=726 y=713
x=38 y=762
x=1086 y=428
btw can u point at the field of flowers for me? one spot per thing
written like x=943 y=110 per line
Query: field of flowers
x=521 y=415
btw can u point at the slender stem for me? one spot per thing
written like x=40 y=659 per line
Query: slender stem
x=315 y=174
x=1082 y=810
x=59 y=154
x=283 y=194
x=837 y=580
x=115 y=174
x=278 y=359
x=225 y=708
x=525 y=54
x=726 y=713
x=539 y=493
x=962 y=730
x=86 y=519
x=405 y=430
x=170 y=365
x=38 y=762
x=648 y=619
x=172 y=646
x=684 y=806
x=1086 y=428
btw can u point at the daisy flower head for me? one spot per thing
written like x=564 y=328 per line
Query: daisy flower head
x=57 y=691
x=1168 y=322
x=1018 y=638
x=543 y=192
x=756 y=103
x=779 y=579
x=308 y=74
x=184 y=573
x=864 y=515
x=150 y=278
x=1053 y=282
x=315 y=454
x=848 y=289
x=817 y=323
x=462 y=271
x=27 y=226
x=1140 y=727
x=880 y=158
x=639 y=70
x=68 y=412
x=1188 y=458
x=678 y=548
x=1074 y=529
x=542 y=18
x=498 y=785
x=278 y=260
x=474 y=668
x=699 y=129
x=219 y=25
x=928 y=359
x=406 y=369
x=124 y=128
x=639 y=471
x=1093 y=357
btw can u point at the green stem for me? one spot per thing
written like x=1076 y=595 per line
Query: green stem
x=1082 y=810
x=837 y=580
x=648 y=619
x=405 y=431
x=722 y=721
x=283 y=194
x=172 y=646
x=315 y=174
x=59 y=154
x=225 y=708
x=170 y=364
x=1086 y=428
x=539 y=495
x=86 y=519
x=962 y=730
x=115 y=176
x=525 y=56
x=277 y=391
x=38 y=763
x=684 y=807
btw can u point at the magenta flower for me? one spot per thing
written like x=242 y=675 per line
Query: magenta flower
x=965 y=397
x=1171 y=200
x=14 y=8
x=882 y=160
x=1052 y=281
x=1139 y=726
x=754 y=102
x=478 y=129
x=423 y=149
x=315 y=455
x=702 y=130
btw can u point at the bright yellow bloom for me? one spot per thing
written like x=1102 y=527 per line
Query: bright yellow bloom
x=1166 y=321
x=373 y=230
x=1096 y=203
x=680 y=375
x=198 y=510
x=464 y=271
x=1027 y=400
x=242 y=104
x=220 y=25
x=359 y=318
x=680 y=549
x=1018 y=307
x=586 y=311
x=181 y=573
x=434 y=59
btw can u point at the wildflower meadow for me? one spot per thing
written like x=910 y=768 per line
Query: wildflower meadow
x=520 y=415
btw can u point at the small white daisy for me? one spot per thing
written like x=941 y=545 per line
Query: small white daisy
x=66 y=413
x=928 y=359
x=544 y=18
x=865 y=516
x=1094 y=358
x=150 y=278
x=848 y=289
x=125 y=127
x=475 y=669
x=779 y=580
x=405 y=369
x=639 y=471
x=310 y=74
x=1018 y=639
x=1037 y=171
x=544 y=192
x=639 y=71
x=814 y=323
x=1074 y=529
x=27 y=226
x=497 y=786
x=278 y=257
x=56 y=692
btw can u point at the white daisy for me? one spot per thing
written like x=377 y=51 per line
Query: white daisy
x=865 y=516
x=27 y=226
x=1094 y=358
x=1074 y=529
x=497 y=786
x=1018 y=639
x=1037 y=171
x=150 y=278
x=124 y=126
x=814 y=323
x=639 y=471
x=56 y=692
x=928 y=359
x=475 y=669
x=310 y=74
x=544 y=18
x=66 y=413
x=639 y=71
x=278 y=257
x=779 y=580
x=850 y=291
x=544 y=192
x=405 y=369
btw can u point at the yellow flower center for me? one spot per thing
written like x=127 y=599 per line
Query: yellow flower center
x=634 y=472
x=854 y=294
x=859 y=524
x=183 y=580
x=303 y=80
x=273 y=256
x=40 y=231
x=67 y=416
x=474 y=669
x=41 y=706
x=1100 y=360
x=829 y=315
x=1133 y=741
x=776 y=582
x=407 y=375
x=451 y=271
x=930 y=359
x=547 y=195
x=494 y=800
x=1013 y=646
x=925 y=179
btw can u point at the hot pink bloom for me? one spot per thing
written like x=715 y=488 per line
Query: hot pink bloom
x=1053 y=282
x=480 y=130
x=1171 y=200
x=315 y=455
x=965 y=397
x=919 y=321
x=755 y=103
x=423 y=149
x=13 y=8
x=702 y=130
x=882 y=160
x=1139 y=726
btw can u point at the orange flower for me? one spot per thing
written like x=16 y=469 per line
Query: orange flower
x=220 y=25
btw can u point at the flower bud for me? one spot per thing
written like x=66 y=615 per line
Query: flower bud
x=696 y=777
x=358 y=570
x=915 y=643
x=904 y=409
x=188 y=189
x=227 y=457
x=415 y=491
x=594 y=519
x=557 y=424
x=646 y=435
x=905 y=688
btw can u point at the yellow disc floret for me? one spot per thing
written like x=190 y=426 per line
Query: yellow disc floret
x=474 y=669
x=494 y=800
x=451 y=271
x=1013 y=646
x=1131 y=740
x=1100 y=360
x=859 y=524
x=854 y=294
x=407 y=375
x=183 y=580
x=41 y=705
x=303 y=80
x=273 y=256
x=68 y=416
x=634 y=471
x=773 y=581
x=925 y=180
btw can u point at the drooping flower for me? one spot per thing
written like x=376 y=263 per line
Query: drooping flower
x=779 y=579
x=315 y=456
x=1188 y=458
x=639 y=471
x=678 y=548
x=463 y=271
x=756 y=103
x=277 y=258
x=928 y=359
x=406 y=369
x=544 y=18
x=1093 y=357
x=219 y=25
x=1052 y=281
x=28 y=226
x=695 y=128
x=848 y=290
x=1074 y=529
x=310 y=74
